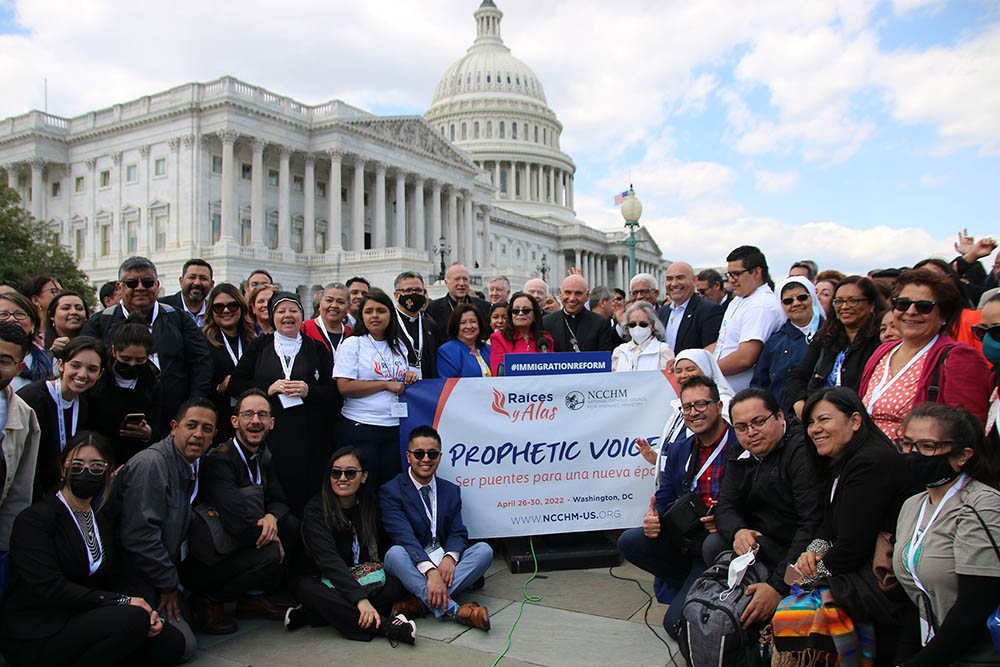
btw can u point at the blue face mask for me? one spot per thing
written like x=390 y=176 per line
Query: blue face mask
x=991 y=349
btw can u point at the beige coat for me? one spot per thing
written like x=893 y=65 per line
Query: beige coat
x=20 y=449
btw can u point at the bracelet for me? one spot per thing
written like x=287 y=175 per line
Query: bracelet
x=124 y=600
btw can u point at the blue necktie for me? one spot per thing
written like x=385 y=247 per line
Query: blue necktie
x=425 y=493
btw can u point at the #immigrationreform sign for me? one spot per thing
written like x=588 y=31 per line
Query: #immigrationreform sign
x=545 y=454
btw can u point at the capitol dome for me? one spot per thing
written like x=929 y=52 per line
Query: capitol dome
x=492 y=105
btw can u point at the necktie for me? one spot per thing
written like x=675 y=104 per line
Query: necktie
x=425 y=493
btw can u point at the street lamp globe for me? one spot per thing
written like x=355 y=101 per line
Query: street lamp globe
x=631 y=207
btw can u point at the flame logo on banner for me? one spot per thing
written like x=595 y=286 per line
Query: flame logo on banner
x=498 y=402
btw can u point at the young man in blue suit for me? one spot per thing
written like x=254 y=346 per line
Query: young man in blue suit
x=431 y=553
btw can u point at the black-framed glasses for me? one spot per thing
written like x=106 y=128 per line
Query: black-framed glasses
x=633 y=325
x=95 y=468
x=641 y=292
x=419 y=454
x=979 y=331
x=17 y=315
x=801 y=298
x=850 y=301
x=757 y=424
x=132 y=283
x=619 y=297
x=411 y=290
x=347 y=473
x=695 y=406
x=250 y=414
x=923 y=306
x=230 y=307
x=925 y=447
x=521 y=311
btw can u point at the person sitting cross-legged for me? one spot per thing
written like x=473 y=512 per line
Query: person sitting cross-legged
x=431 y=553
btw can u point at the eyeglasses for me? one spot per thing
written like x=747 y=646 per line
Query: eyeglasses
x=432 y=454
x=52 y=290
x=95 y=468
x=850 y=301
x=230 y=307
x=132 y=283
x=520 y=311
x=17 y=315
x=641 y=292
x=411 y=290
x=619 y=298
x=925 y=447
x=8 y=362
x=348 y=473
x=633 y=325
x=757 y=424
x=695 y=406
x=801 y=298
x=260 y=414
x=703 y=291
x=734 y=275
x=979 y=331
x=923 y=306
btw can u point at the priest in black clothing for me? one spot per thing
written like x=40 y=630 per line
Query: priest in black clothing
x=574 y=328
x=456 y=279
x=420 y=332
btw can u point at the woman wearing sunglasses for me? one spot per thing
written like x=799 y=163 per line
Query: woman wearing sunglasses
x=522 y=332
x=228 y=330
x=927 y=364
x=16 y=308
x=645 y=349
x=65 y=604
x=785 y=348
x=943 y=556
x=842 y=345
x=348 y=588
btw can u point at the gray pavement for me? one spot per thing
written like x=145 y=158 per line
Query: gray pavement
x=585 y=617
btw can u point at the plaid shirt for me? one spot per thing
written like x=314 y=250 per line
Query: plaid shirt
x=710 y=483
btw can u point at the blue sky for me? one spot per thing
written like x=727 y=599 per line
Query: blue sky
x=854 y=132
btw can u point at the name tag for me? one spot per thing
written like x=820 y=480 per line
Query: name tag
x=435 y=555
x=289 y=401
x=397 y=408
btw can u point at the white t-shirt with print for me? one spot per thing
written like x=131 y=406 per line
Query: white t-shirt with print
x=364 y=358
x=754 y=317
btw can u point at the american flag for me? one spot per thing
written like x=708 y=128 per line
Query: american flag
x=619 y=198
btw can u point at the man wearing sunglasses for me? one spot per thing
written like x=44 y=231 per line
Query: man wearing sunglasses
x=196 y=283
x=431 y=553
x=180 y=350
x=239 y=484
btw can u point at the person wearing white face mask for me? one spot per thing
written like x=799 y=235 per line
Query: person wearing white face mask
x=646 y=349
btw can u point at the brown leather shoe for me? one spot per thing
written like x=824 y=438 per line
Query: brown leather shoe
x=472 y=614
x=261 y=607
x=211 y=616
x=410 y=607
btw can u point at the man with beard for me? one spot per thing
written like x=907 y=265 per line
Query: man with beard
x=238 y=484
x=574 y=328
x=196 y=283
x=456 y=279
x=420 y=331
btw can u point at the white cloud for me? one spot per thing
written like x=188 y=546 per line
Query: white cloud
x=933 y=181
x=776 y=182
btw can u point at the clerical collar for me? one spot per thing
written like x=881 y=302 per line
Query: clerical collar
x=411 y=318
x=571 y=315
x=454 y=302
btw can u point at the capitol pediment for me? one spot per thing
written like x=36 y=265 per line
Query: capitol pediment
x=411 y=133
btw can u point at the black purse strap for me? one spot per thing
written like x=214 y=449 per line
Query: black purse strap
x=989 y=535
x=692 y=466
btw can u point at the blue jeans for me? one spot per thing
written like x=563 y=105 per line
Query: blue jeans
x=473 y=564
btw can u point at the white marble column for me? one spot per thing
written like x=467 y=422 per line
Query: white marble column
x=399 y=228
x=487 y=262
x=591 y=268
x=419 y=230
x=334 y=225
x=37 y=188
x=552 y=185
x=576 y=260
x=284 y=198
x=452 y=235
x=142 y=242
x=469 y=232
x=257 y=194
x=435 y=226
x=358 y=205
x=309 y=206
x=560 y=267
x=229 y=205
x=496 y=177
x=378 y=222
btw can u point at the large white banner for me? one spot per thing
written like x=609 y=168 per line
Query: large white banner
x=546 y=454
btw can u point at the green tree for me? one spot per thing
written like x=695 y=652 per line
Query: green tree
x=28 y=247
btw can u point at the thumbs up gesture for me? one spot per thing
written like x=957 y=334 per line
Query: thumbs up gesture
x=651 y=522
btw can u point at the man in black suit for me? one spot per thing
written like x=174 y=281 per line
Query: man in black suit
x=456 y=279
x=574 y=328
x=419 y=331
x=689 y=320
x=196 y=283
x=709 y=286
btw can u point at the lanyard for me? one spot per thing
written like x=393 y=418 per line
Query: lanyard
x=572 y=334
x=154 y=357
x=917 y=539
x=235 y=356
x=62 y=405
x=194 y=468
x=886 y=382
x=93 y=563
x=325 y=334
x=833 y=490
x=418 y=348
x=286 y=366
x=239 y=450
x=708 y=463
x=385 y=364
x=431 y=513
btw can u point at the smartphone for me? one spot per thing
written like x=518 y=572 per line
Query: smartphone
x=711 y=510
x=792 y=575
x=133 y=419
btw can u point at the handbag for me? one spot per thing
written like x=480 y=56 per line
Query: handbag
x=993 y=621
x=370 y=576
x=207 y=537
x=682 y=520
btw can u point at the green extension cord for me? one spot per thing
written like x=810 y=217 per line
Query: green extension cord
x=526 y=598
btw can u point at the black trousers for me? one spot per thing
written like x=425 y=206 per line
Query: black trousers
x=101 y=637
x=326 y=606
x=230 y=579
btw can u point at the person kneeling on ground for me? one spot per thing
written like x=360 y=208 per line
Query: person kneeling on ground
x=431 y=553
x=240 y=486
x=694 y=465
x=350 y=589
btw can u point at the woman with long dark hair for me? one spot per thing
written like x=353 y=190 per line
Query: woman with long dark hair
x=16 y=308
x=372 y=371
x=521 y=333
x=228 y=330
x=40 y=290
x=64 y=318
x=343 y=536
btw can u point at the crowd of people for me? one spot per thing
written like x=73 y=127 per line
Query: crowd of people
x=169 y=455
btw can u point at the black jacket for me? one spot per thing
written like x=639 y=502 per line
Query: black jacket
x=434 y=335
x=223 y=474
x=47 y=472
x=181 y=349
x=50 y=580
x=777 y=496
x=700 y=326
x=222 y=365
x=593 y=332
x=109 y=404
x=809 y=376
x=440 y=311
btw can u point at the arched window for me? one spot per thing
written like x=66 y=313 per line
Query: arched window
x=502 y=132
x=442 y=130
x=536 y=134
x=487 y=78
x=545 y=135
x=453 y=132
x=513 y=130
x=464 y=132
x=475 y=130
x=489 y=129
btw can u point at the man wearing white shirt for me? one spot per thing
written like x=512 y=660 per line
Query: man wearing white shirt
x=196 y=283
x=753 y=316
x=689 y=320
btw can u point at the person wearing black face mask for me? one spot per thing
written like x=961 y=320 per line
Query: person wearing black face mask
x=943 y=557
x=65 y=603
x=129 y=386
x=421 y=333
